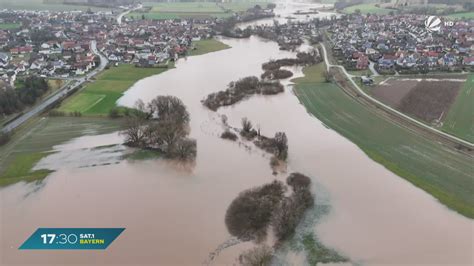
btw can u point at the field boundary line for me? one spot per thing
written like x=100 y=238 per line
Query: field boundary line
x=392 y=110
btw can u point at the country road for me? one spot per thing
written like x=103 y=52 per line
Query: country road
x=401 y=115
x=120 y=17
x=73 y=84
x=60 y=93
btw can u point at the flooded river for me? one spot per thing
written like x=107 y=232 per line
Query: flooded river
x=174 y=214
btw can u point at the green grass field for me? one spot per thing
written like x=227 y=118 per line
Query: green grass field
x=41 y=5
x=198 y=7
x=466 y=15
x=207 y=46
x=9 y=26
x=360 y=72
x=460 y=118
x=174 y=10
x=244 y=5
x=102 y=94
x=21 y=169
x=366 y=8
x=445 y=174
x=35 y=140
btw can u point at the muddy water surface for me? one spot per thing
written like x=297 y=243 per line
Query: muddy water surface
x=174 y=214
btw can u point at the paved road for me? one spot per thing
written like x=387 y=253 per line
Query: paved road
x=60 y=93
x=73 y=84
x=119 y=18
x=401 y=115
x=372 y=68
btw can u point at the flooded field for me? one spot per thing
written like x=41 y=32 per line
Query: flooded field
x=171 y=209
x=287 y=11
x=174 y=213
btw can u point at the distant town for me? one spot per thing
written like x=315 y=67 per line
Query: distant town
x=401 y=44
x=237 y=132
x=58 y=44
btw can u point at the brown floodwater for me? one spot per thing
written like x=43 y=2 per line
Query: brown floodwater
x=174 y=214
x=286 y=12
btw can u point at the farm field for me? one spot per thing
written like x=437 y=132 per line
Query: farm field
x=41 y=5
x=445 y=174
x=244 y=5
x=207 y=46
x=100 y=96
x=36 y=140
x=198 y=7
x=181 y=10
x=174 y=10
x=467 y=15
x=427 y=99
x=460 y=118
x=9 y=26
x=367 y=8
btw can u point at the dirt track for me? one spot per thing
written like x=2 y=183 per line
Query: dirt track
x=343 y=83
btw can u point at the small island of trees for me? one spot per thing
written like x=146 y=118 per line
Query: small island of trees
x=254 y=210
x=241 y=89
x=163 y=126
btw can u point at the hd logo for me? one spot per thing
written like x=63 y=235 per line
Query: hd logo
x=433 y=24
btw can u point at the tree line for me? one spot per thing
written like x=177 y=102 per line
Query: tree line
x=163 y=126
x=254 y=210
x=29 y=90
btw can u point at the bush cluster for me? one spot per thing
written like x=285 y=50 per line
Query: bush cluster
x=162 y=125
x=287 y=217
x=276 y=74
x=241 y=89
x=229 y=135
x=302 y=58
x=250 y=214
x=258 y=256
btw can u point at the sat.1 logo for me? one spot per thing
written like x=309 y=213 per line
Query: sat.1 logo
x=433 y=24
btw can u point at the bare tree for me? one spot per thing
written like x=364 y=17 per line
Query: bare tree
x=184 y=149
x=249 y=215
x=172 y=121
x=291 y=211
x=135 y=132
x=281 y=145
x=163 y=124
x=142 y=110
x=169 y=108
x=258 y=256
x=246 y=125
x=224 y=119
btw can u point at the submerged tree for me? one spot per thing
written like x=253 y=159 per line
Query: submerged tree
x=254 y=210
x=246 y=125
x=281 y=145
x=135 y=132
x=292 y=208
x=163 y=125
x=259 y=256
x=249 y=215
